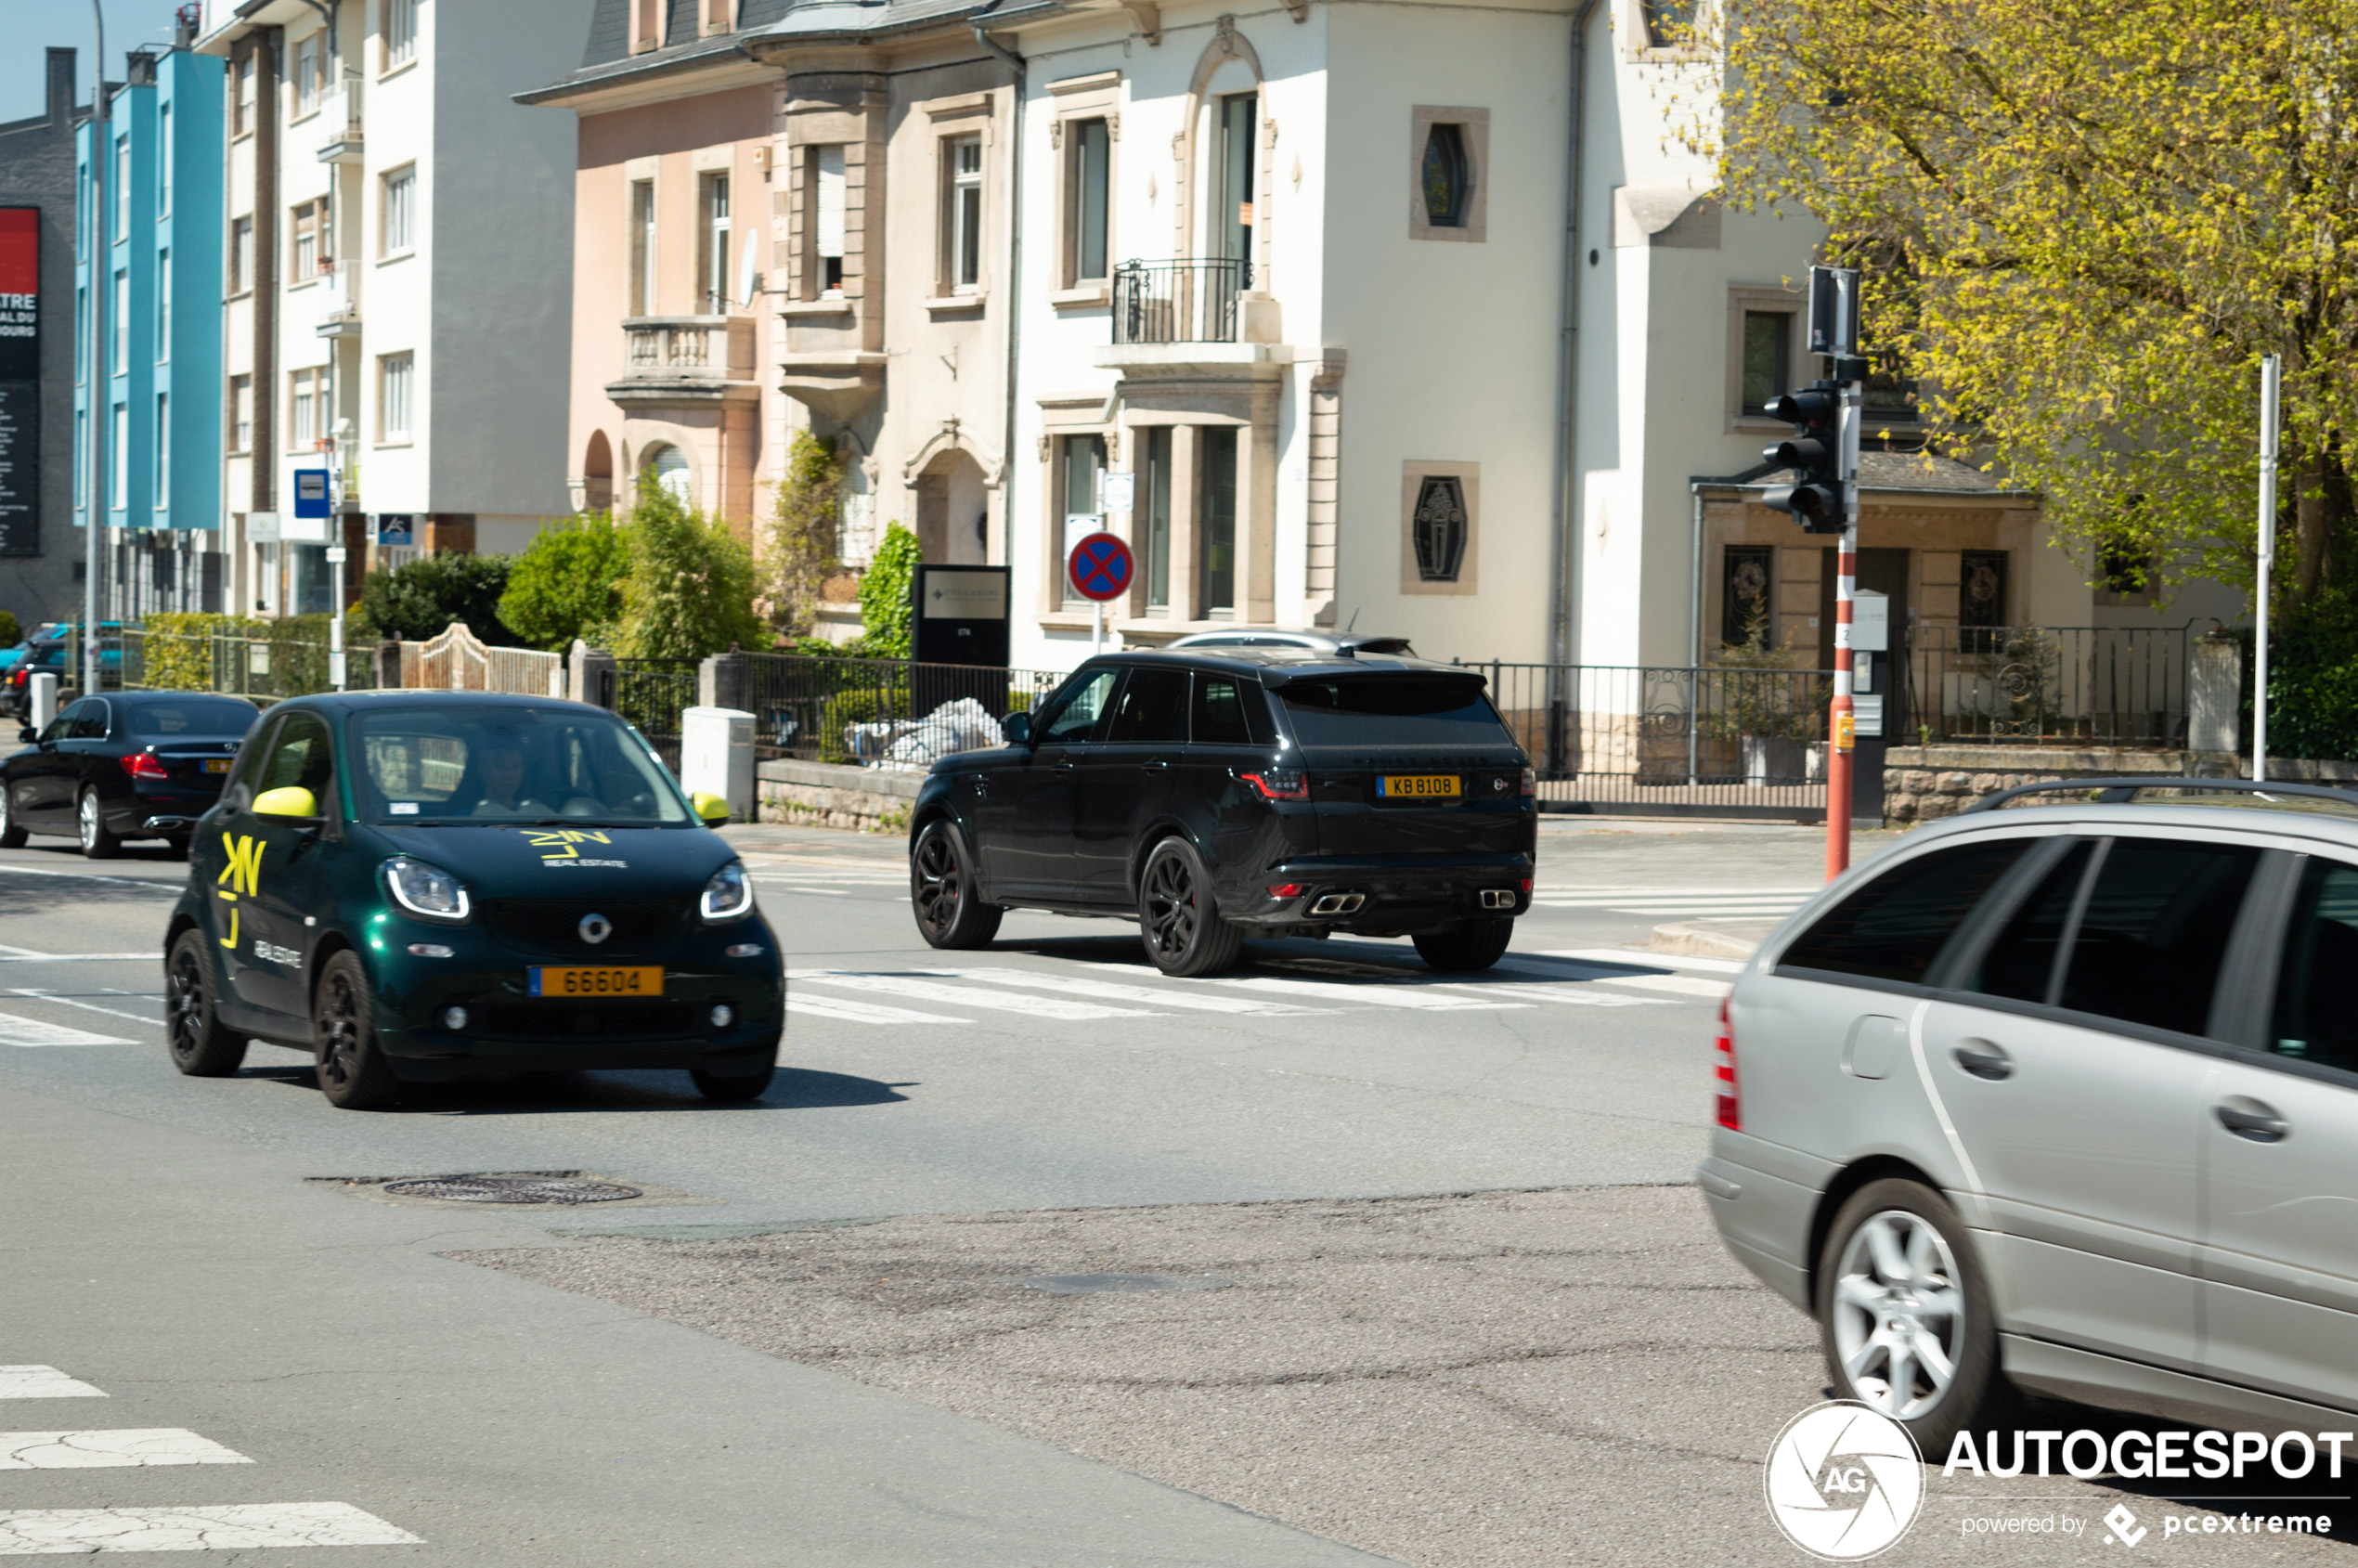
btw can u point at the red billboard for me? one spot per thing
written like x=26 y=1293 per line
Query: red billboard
x=19 y=294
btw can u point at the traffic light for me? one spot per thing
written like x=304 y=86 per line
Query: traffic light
x=1814 y=452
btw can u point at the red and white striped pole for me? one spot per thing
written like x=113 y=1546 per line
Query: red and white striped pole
x=1842 y=726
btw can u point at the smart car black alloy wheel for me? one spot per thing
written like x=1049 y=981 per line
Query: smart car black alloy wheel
x=353 y=1072
x=12 y=836
x=201 y=1048
x=941 y=891
x=1182 y=927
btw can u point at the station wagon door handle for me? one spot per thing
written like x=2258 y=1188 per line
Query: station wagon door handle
x=1060 y=766
x=1984 y=1060
x=2247 y=1118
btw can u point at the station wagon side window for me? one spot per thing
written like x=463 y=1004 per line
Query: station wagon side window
x=2020 y=963
x=1077 y=717
x=1895 y=927
x=2316 y=1011
x=2154 y=934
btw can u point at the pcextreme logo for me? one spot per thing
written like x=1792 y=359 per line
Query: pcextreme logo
x=244 y=874
x=1844 y=1482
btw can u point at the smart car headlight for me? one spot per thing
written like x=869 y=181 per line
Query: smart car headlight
x=426 y=891
x=729 y=894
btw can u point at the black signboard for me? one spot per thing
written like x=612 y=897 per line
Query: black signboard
x=961 y=615
x=19 y=468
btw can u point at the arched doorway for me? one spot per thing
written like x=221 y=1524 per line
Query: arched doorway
x=597 y=473
x=953 y=510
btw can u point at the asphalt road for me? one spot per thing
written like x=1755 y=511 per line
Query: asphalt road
x=810 y=1342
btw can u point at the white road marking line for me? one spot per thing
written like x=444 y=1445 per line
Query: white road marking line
x=830 y=892
x=1652 y=960
x=15 y=1030
x=86 y=1006
x=1159 y=996
x=1574 y=994
x=861 y=1012
x=26 y=956
x=1414 y=994
x=44 y=1382
x=960 y=996
x=1682 y=985
x=233 y=1527
x=158 y=885
x=96 y=1450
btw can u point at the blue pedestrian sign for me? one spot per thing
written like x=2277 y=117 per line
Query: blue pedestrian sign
x=311 y=492
x=1101 y=568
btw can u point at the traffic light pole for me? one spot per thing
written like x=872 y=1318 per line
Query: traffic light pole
x=1842 y=720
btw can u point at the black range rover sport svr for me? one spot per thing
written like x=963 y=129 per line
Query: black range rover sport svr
x=1234 y=792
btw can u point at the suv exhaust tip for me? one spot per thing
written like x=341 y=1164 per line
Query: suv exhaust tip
x=1338 y=904
x=1497 y=897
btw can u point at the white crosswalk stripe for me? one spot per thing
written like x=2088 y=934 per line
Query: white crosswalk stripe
x=859 y=1012
x=232 y=1527
x=1558 y=996
x=44 y=1382
x=1167 y=994
x=1677 y=900
x=1415 y=995
x=923 y=989
x=18 y=1030
x=100 y=1450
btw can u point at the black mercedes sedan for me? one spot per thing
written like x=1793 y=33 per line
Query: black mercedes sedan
x=1225 y=793
x=127 y=765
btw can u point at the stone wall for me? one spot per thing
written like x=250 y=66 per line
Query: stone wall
x=1922 y=783
x=830 y=795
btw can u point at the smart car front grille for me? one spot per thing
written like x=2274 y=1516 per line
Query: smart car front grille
x=553 y=926
x=614 y=1020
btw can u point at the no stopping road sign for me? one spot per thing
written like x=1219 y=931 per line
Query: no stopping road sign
x=1101 y=568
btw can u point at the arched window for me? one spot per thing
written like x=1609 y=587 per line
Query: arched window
x=1448 y=176
x=669 y=467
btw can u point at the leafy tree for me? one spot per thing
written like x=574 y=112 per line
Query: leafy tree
x=798 y=553
x=2082 y=225
x=569 y=583
x=690 y=590
x=11 y=633
x=887 y=611
x=420 y=599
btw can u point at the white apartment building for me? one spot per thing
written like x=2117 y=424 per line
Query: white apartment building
x=397 y=285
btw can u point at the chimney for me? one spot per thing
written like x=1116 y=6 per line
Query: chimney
x=61 y=64
x=139 y=69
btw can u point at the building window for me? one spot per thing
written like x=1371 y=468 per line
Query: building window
x=305 y=389
x=400 y=211
x=642 y=247
x=164 y=306
x=241 y=97
x=1152 y=495
x=121 y=188
x=669 y=467
x=309 y=261
x=1767 y=368
x=1438 y=528
x=163 y=449
x=241 y=413
x=240 y=255
x=1981 y=599
x=826 y=198
x=310 y=55
x=1670 y=24
x=81 y=335
x=121 y=321
x=1747 y=575
x=1448 y=176
x=81 y=458
x=400 y=32
x=1079 y=479
x=1216 y=523
x=713 y=198
x=1089 y=178
x=2128 y=574
x=1231 y=205
x=120 y=496
x=719 y=16
x=163 y=160
x=962 y=215
x=395 y=374
x=646 y=25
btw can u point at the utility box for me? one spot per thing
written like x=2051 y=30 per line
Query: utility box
x=42 y=700
x=715 y=757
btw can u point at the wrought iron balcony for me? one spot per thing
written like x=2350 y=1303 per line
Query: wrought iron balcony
x=1186 y=301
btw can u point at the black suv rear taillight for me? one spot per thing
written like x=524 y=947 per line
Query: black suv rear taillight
x=1279 y=783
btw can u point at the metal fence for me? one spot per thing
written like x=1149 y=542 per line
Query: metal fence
x=1186 y=301
x=2074 y=685
x=265 y=668
x=1670 y=736
x=650 y=693
x=848 y=711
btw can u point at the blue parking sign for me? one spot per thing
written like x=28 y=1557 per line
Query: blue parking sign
x=311 y=492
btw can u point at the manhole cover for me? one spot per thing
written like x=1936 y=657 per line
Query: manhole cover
x=512 y=1189
x=1092 y=1284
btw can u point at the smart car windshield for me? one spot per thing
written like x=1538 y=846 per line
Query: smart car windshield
x=423 y=766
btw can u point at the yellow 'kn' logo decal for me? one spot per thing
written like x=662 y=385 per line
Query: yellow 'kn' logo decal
x=557 y=844
x=244 y=876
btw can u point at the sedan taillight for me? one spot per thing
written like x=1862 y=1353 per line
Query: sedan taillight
x=1724 y=1059
x=1530 y=782
x=141 y=765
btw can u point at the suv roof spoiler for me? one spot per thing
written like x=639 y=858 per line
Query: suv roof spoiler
x=2120 y=792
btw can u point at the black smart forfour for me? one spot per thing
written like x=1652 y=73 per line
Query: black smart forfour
x=1226 y=793
x=420 y=887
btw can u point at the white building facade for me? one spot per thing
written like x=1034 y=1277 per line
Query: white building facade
x=397 y=284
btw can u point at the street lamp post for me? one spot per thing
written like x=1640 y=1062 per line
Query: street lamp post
x=94 y=399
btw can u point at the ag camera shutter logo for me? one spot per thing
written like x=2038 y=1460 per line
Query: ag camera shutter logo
x=1844 y=1482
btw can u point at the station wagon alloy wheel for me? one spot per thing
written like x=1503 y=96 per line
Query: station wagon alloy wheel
x=1898 y=1314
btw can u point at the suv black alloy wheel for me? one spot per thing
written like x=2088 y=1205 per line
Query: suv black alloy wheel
x=942 y=894
x=1182 y=927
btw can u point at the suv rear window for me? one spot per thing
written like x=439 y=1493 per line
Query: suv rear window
x=1894 y=928
x=1393 y=710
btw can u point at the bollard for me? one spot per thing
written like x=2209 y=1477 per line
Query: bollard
x=44 y=697
x=715 y=757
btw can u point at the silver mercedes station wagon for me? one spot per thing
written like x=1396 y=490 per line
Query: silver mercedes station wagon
x=2064 y=1098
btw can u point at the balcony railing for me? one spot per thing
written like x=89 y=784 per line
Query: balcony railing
x=678 y=347
x=1188 y=301
x=339 y=123
x=696 y=357
x=339 y=299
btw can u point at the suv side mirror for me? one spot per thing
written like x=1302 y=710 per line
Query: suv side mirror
x=27 y=733
x=1017 y=727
